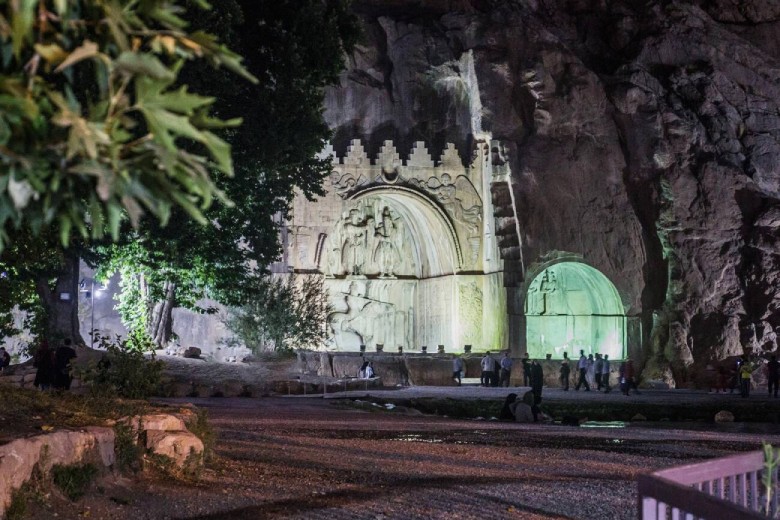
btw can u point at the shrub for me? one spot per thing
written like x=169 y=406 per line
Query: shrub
x=73 y=480
x=127 y=450
x=124 y=370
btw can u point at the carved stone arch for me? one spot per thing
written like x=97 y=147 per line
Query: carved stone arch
x=421 y=210
x=570 y=306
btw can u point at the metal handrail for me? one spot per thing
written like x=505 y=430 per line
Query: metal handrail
x=728 y=487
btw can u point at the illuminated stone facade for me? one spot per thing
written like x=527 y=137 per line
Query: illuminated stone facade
x=407 y=247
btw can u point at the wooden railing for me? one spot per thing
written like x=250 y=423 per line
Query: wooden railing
x=729 y=487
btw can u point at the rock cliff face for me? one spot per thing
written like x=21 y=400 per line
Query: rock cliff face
x=641 y=138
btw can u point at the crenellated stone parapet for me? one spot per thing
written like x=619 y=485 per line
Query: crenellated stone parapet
x=407 y=244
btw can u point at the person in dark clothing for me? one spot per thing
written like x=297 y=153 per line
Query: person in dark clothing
x=44 y=362
x=5 y=358
x=526 y=361
x=506 y=412
x=495 y=378
x=772 y=375
x=537 y=381
x=62 y=359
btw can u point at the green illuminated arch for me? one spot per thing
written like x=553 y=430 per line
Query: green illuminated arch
x=570 y=306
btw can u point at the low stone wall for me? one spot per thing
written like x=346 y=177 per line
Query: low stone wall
x=417 y=369
x=23 y=376
x=161 y=434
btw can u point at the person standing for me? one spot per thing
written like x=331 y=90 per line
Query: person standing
x=605 y=374
x=487 y=369
x=526 y=370
x=506 y=369
x=5 y=358
x=772 y=375
x=582 y=366
x=565 y=371
x=597 y=368
x=44 y=362
x=745 y=373
x=537 y=381
x=627 y=377
x=457 y=369
x=62 y=358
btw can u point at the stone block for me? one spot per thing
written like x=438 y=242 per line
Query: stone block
x=164 y=422
x=192 y=353
x=230 y=388
x=28 y=378
x=18 y=458
x=179 y=446
x=429 y=371
x=12 y=380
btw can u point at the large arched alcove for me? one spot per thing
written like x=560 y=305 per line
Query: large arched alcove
x=571 y=306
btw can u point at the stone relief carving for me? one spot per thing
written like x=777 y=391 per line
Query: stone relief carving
x=387 y=253
x=470 y=310
x=355 y=232
x=459 y=198
x=547 y=296
x=369 y=239
x=361 y=319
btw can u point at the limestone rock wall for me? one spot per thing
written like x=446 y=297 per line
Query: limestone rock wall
x=642 y=138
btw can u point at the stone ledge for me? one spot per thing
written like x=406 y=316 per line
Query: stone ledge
x=162 y=434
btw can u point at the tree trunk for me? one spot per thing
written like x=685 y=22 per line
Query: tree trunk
x=161 y=318
x=62 y=303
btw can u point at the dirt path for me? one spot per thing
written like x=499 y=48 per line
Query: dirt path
x=312 y=458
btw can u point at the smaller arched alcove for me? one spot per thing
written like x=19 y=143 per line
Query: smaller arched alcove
x=570 y=306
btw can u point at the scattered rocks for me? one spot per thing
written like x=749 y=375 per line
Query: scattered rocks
x=724 y=416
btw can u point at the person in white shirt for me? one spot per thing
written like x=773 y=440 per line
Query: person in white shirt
x=487 y=364
x=605 y=374
x=582 y=366
x=506 y=369
x=457 y=369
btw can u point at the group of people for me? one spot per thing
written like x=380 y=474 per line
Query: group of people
x=740 y=376
x=54 y=370
x=593 y=371
x=495 y=372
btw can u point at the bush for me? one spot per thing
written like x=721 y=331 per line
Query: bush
x=126 y=448
x=124 y=370
x=73 y=480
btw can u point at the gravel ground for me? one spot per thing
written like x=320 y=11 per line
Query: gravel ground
x=312 y=458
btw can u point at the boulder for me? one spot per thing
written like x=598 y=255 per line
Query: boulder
x=192 y=353
x=18 y=458
x=179 y=446
x=164 y=422
x=724 y=416
x=638 y=417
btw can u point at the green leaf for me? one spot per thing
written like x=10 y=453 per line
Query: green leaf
x=87 y=50
x=22 y=19
x=142 y=64
x=65 y=227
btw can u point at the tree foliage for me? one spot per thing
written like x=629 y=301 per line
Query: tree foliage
x=92 y=117
x=289 y=312
x=296 y=48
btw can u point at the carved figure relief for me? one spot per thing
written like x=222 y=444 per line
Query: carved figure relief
x=355 y=235
x=387 y=254
x=362 y=320
x=547 y=296
x=459 y=198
